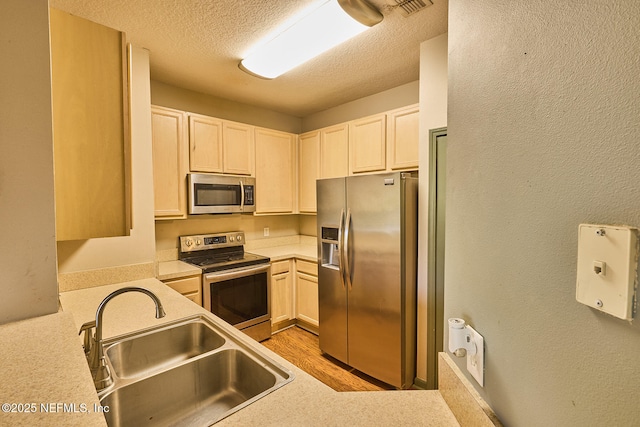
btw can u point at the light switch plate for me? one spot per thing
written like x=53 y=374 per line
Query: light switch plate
x=607 y=267
x=475 y=363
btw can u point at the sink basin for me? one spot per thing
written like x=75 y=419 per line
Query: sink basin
x=197 y=393
x=146 y=353
x=190 y=372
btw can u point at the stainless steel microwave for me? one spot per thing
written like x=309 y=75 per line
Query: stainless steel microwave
x=213 y=194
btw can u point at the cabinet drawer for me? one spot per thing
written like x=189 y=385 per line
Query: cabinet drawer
x=185 y=286
x=279 y=267
x=307 y=267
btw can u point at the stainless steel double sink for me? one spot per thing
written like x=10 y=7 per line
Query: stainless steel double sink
x=189 y=372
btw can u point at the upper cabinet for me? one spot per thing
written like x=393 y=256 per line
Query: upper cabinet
x=205 y=144
x=220 y=146
x=402 y=138
x=384 y=142
x=286 y=166
x=170 y=162
x=90 y=129
x=238 y=148
x=367 y=144
x=334 y=151
x=379 y=143
x=275 y=171
x=308 y=170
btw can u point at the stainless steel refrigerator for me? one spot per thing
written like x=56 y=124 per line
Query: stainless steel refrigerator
x=367 y=255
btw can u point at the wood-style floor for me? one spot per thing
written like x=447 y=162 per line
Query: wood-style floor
x=301 y=348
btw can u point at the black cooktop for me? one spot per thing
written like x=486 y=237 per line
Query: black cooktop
x=223 y=259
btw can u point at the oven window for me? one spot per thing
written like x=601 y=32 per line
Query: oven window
x=217 y=195
x=239 y=300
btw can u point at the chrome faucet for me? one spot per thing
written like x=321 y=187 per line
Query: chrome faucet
x=93 y=345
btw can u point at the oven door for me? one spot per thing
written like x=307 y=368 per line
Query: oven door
x=239 y=296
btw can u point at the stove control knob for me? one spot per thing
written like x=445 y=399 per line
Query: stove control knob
x=188 y=243
x=231 y=239
x=198 y=242
x=239 y=237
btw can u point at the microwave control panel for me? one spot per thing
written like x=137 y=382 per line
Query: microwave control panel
x=248 y=195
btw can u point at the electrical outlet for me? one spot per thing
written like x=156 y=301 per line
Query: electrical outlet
x=266 y=232
x=475 y=363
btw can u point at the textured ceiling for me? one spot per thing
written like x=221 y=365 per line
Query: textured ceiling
x=197 y=45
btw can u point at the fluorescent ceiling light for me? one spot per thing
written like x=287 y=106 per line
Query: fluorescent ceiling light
x=317 y=31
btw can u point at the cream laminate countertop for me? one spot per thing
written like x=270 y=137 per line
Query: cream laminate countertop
x=44 y=377
x=305 y=401
x=176 y=269
x=278 y=253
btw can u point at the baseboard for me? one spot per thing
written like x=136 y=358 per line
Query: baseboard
x=307 y=326
x=277 y=327
x=285 y=324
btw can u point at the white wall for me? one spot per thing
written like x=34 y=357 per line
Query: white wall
x=28 y=286
x=209 y=105
x=139 y=247
x=543 y=134
x=433 y=115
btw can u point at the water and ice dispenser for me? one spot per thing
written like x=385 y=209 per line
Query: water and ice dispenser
x=330 y=247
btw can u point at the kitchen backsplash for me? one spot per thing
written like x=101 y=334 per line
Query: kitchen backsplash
x=279 y=226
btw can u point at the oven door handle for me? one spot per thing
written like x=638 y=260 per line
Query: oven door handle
x=235 y=273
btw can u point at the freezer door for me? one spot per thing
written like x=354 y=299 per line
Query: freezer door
x=332 y=292
x=375 y=288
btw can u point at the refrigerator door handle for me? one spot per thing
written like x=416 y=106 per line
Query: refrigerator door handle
x=341 y=249
x=345 y=245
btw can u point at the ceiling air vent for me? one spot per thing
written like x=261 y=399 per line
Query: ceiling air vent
x=409 y=7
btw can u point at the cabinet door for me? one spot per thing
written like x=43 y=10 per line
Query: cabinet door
x=90 y=129
x=281 y=298
x=238 y=140
x=307 y=298
x=170 y=153
x=281 y=292
x=309 y=145
x=334 y=151
x=205 y=144
x=367 y=144
x=402 y=138
x=275 y=171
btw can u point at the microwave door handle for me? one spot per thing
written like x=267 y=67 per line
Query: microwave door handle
x=242 y=198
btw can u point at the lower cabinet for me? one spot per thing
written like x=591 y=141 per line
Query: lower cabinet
x=281 y=295
x=307 y=295
x=190 y=287
x=294 y=294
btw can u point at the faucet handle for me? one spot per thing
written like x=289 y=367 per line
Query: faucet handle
x=88 y=335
